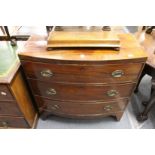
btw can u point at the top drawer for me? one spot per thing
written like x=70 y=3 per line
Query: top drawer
x=5 y=94
x=75 y=73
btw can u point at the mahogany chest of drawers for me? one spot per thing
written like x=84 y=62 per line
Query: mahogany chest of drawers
x=16 y=107
x=82 y=83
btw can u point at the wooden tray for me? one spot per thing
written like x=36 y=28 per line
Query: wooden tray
x=101 y=39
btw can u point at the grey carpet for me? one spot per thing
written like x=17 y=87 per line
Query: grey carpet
x=102 y=123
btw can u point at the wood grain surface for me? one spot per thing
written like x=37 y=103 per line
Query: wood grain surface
x=13 y=122
x=84 y=73
x=35 y=49
x=74 y=92
x=80 y=108
x=10 y=108
x=83 y=39
x=20 y=91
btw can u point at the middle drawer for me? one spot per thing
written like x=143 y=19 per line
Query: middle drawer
x=80 y=92
x=9 y=108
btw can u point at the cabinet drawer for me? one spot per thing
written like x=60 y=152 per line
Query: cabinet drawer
x=9 y=108
x=5 y=94
x=13 y=122
x=116 y=73
x=80 y=92
x=81 y=108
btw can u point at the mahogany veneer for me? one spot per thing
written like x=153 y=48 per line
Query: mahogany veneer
x=82 y=83
x=80 y=92
x=81 y=109
x=90 y=73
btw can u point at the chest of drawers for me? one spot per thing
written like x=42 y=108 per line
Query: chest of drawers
x=16 y=106
x=82 y=83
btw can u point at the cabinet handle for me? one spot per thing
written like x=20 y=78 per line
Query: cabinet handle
x=117 y=73
x=4 y=124
x=112 y=93
x=46 y=73
x=3 y=93
x=51 y=91
x=108 y=107
x=55 y=107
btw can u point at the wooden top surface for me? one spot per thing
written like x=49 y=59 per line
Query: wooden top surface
x=35 y=47
x=83 y=39
x=148 y=43
x=9 y=62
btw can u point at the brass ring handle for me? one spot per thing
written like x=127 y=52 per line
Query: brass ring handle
x=4 y=124
x=51 y=91
x=108 y=107
x=3 y=93
x=46 y=73
x=55 y=107
x=117 y=73
x=112 y=93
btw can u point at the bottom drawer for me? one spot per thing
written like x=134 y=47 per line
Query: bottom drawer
x=81 y=108
x=13 y=122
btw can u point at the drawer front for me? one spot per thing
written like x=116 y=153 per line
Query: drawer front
x=5 y=94
x=13 y=122
x=81 y=108
x=9 y=108
x=83 y=73
x=80 y=92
